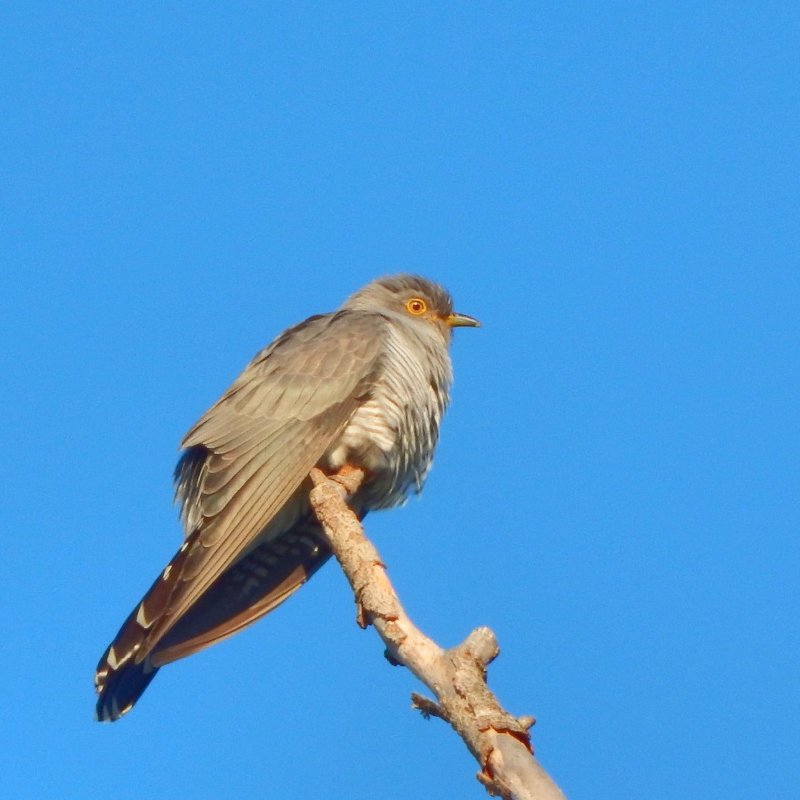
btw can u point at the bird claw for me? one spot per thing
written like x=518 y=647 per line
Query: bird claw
x=349 y=478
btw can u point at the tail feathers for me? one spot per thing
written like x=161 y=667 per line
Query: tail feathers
x=120 y=688
x=121 y=677
x=126 y=667
x=251 y=588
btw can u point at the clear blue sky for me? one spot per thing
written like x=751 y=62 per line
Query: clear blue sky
x=614 y=189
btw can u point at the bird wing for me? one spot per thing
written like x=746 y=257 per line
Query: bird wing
x=247 y=456
x=250 y=588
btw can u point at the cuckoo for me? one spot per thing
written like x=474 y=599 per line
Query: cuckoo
x=365 y=387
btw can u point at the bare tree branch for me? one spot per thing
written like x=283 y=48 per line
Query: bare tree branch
x=457 y=677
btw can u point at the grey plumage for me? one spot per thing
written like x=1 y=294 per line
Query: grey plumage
x=366 y=386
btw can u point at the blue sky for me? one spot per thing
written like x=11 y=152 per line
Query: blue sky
x=612 y=188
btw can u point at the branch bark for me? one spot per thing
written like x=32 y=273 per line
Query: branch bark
x=457 y=677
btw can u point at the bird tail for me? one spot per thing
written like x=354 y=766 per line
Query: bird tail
x=126 y=668
x=246 y=591
x=120 y=683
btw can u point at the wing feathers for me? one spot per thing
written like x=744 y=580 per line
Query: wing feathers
x=227 y=533
x=251 y=588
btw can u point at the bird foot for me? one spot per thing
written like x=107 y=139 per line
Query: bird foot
x=349 y=478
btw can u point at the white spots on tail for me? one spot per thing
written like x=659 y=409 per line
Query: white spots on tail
x=112 y=660
x=141 y=617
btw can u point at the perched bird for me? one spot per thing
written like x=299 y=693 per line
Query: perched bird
x=364 y=386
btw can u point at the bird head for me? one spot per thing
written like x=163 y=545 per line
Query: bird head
x=414 y=299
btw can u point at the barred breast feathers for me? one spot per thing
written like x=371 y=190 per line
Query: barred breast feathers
x=393 y=434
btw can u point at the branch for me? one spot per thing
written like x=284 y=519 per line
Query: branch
x=457 y=677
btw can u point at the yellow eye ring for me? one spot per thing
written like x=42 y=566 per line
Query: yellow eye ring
x=416 y=306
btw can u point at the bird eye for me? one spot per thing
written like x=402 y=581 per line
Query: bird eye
x=416 y=306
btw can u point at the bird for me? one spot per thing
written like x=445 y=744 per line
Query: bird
x=364 y=386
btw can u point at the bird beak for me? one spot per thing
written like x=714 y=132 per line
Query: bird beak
x=462 y=321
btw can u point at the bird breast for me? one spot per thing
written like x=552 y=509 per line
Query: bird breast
x=393 y=433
